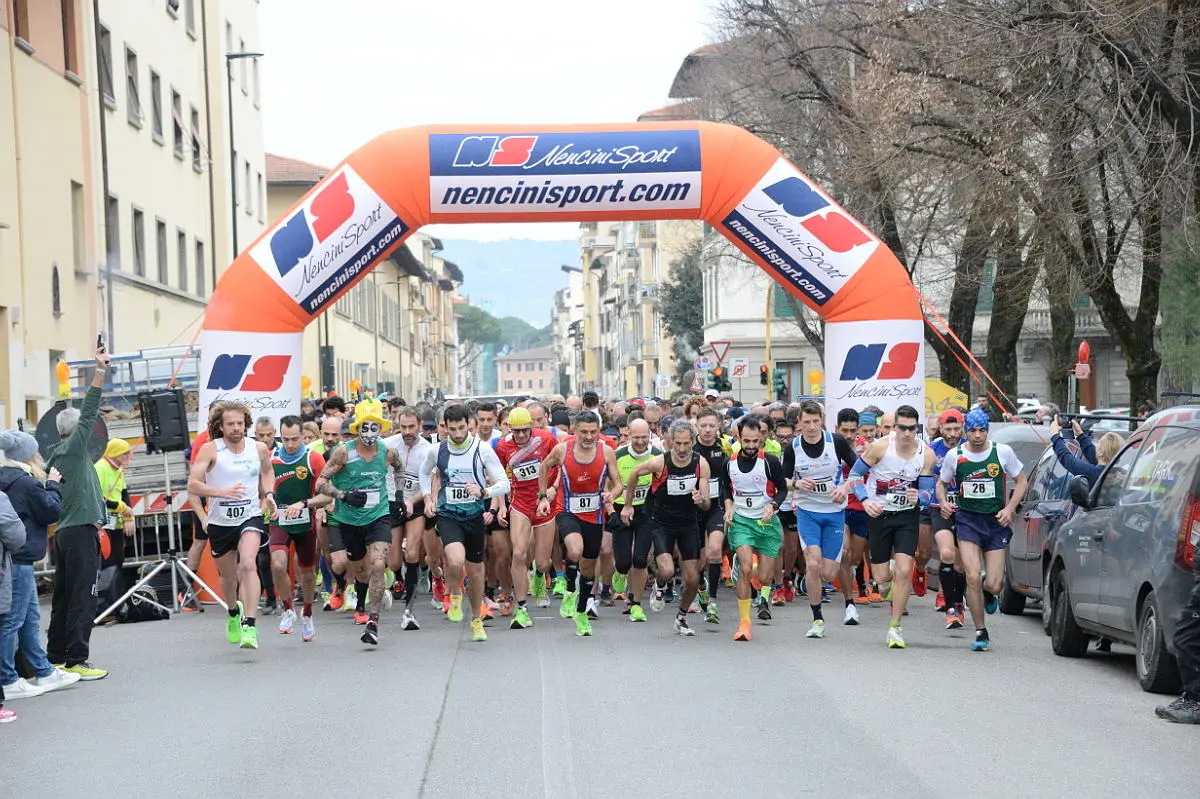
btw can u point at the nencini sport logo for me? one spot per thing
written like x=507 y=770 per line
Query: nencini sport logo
x=565 y=153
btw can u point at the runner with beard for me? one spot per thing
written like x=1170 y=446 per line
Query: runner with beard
x=632 y=532
x=856 y=526
x=416 y=536
x=714 y=448
x=951 y=576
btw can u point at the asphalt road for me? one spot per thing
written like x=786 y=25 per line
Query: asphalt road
x=633 y=710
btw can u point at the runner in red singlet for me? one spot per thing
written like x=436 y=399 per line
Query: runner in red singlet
x=856 y=521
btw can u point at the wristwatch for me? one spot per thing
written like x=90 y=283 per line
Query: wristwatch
x=543 y=495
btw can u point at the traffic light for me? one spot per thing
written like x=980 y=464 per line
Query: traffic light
x=762 y=374
x=719 y=381
x=780 y=383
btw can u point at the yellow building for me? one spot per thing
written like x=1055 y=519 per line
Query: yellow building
x=395 y=329
x=115 y=141
x=533 y=372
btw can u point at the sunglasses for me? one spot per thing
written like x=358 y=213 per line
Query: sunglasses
x=907 y=428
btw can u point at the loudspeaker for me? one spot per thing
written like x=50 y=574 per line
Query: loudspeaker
x=164 y=420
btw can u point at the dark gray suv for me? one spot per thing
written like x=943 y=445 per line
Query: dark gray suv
x=1121 y=566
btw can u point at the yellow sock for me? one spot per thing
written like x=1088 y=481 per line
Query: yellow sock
x=744 y=609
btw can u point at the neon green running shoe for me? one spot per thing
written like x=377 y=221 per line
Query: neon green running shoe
x=538 y=586
x=478 y=635
x=636 y=613
x=560 y=586
x=567 y=608
x=620 y=583
x=583 y=625
x=233 y=627
x=455 y=614
x=521 y=620
x=249 y=638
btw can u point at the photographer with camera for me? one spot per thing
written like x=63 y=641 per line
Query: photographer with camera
x=1090 y=467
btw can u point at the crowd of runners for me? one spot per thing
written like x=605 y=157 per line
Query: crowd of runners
x=472 y=511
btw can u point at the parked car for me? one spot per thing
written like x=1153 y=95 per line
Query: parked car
x=1121 y=565
x=1028 y=441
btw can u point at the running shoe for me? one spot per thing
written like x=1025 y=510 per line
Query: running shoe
x=981 y=642
x=817 y=630
x=939 y=601
x=233 y=625
x=888 y=594
x=507 y=605
x=455 y=613
x=287 y=620
x=491 y=604
x=351 y=598
x=895 y=639
x=788 y=591
x=387 y=600
x=954 y=619
x=409 y=621
x=636 y=613
x=7 y=716
x=187 y=602
x=991 y=603
x=583 y=625
x=778 y=599
x=23 y=689
x=702 y=598
x=566 y=608
x=439 y=589
x=360 y=617
x=920 y=581
x=337 y=600
x=445 y=605
x=764 y=611
x=862 y=599
x=269 y=608
x=424 y=585
x=1183 y=710
x=657 y=603
x=695 y=606
x=560 y=586
x=726 y=572
x=851 y=617
x=606 y=597
x=89 y=673
x=398 y=589
x=371 y=633
x=249 y=638
x=520 y=620
x=544 y=600
x=478 y=634
x=681 y=627
x=710 y=612
x=538 y=585
x=620 y=583
x=743 y=631
x=308 y=630
x=592 y=608
x=875 y=598
x=485 y=612
x=669 y=594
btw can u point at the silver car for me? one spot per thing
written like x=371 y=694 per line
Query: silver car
x=1121 y=566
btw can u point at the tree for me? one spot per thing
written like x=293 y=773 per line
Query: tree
x=681 y=307
x=476 y=329
x=517 y=334
x=1180 y=322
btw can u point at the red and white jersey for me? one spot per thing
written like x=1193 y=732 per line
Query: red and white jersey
x=582 y=484
x=523 y=463
x=860 y=446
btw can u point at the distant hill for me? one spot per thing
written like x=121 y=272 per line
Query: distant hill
x=513 y=277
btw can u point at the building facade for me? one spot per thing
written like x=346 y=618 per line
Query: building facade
x=566 y=331
x=118 y=146
x=394 y=330
x=532 y=372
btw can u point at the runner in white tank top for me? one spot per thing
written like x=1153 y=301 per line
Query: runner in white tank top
x=235 y=473
x=898 y=472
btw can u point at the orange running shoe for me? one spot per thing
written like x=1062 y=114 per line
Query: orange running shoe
x=445 y=603
x=778 y=598
x=360 y=617
x=726 y=572
x=939 y=603
x=439 y=589
x=875 y=598
x=337 y=599
x=920 y=581
x=743 y=631
x=486 y=611
x=861 y=600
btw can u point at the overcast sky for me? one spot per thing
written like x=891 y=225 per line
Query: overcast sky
x=337 y=74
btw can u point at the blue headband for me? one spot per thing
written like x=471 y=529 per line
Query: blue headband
x=976 y=420
x=867 y=418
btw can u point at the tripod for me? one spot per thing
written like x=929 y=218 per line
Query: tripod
x=172 y=561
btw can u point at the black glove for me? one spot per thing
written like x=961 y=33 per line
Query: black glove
x=356 y=498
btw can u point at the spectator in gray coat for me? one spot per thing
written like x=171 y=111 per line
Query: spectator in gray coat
x=12 y=538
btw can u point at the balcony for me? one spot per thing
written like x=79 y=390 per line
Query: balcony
x=1087 y=322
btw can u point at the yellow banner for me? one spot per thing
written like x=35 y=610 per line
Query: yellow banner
x=940 y=397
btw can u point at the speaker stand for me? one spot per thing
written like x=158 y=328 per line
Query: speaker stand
x=178 y=566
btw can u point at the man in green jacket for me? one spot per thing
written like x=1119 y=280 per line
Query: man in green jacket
x=76 y=543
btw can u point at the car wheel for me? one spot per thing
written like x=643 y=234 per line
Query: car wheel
x=1067 y=639
x=1157 y=670
x=1047 y=604
x=1012 y=603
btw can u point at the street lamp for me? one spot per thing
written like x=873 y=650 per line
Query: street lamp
x=233 y=170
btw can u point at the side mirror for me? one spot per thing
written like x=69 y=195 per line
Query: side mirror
x=1081 y=491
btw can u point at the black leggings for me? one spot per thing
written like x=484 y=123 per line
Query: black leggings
x=631 y=543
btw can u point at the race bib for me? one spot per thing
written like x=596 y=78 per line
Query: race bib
x=640 y=493
x=714 y=487
x=952 y=500
x=411 y=483
x=304 y=518
x=979 y=489
x=680 y=486
x=234 y=511
x=750 y=501
x=898 y=498
x=458 y=495
x=584 y=503
x=824 y=486
x=374 y=497
x=526 y=471
x=113 y=523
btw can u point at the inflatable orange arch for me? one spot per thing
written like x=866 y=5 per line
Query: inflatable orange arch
x=398 y=182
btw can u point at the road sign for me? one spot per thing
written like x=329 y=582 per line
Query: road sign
x=703 y=362
x=720 y=350
x=698 y=381
x=740 y=367
x=662 y=380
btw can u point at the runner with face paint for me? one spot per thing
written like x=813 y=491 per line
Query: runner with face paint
x=360 y=532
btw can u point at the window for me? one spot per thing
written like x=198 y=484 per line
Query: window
x=70 y=31
x=189 y=17
x=139 y=242
x=106 y=68
x=21 y=19
x=508 y=384
x=201 y=265
x=529 y=366
x=262 y=199
x=133 y=99
x=181 y=250
x=249 y=195
x=1113 y=480
x=177 y=123
x=160 y=250
x=257 y=87
x=55 y=292
x=197 y=151
x=112 y=232
x=1164 y=463
x=156 y=109
x=508 y=368
x=242 y=67
x=228 y=36
x=78 y=226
